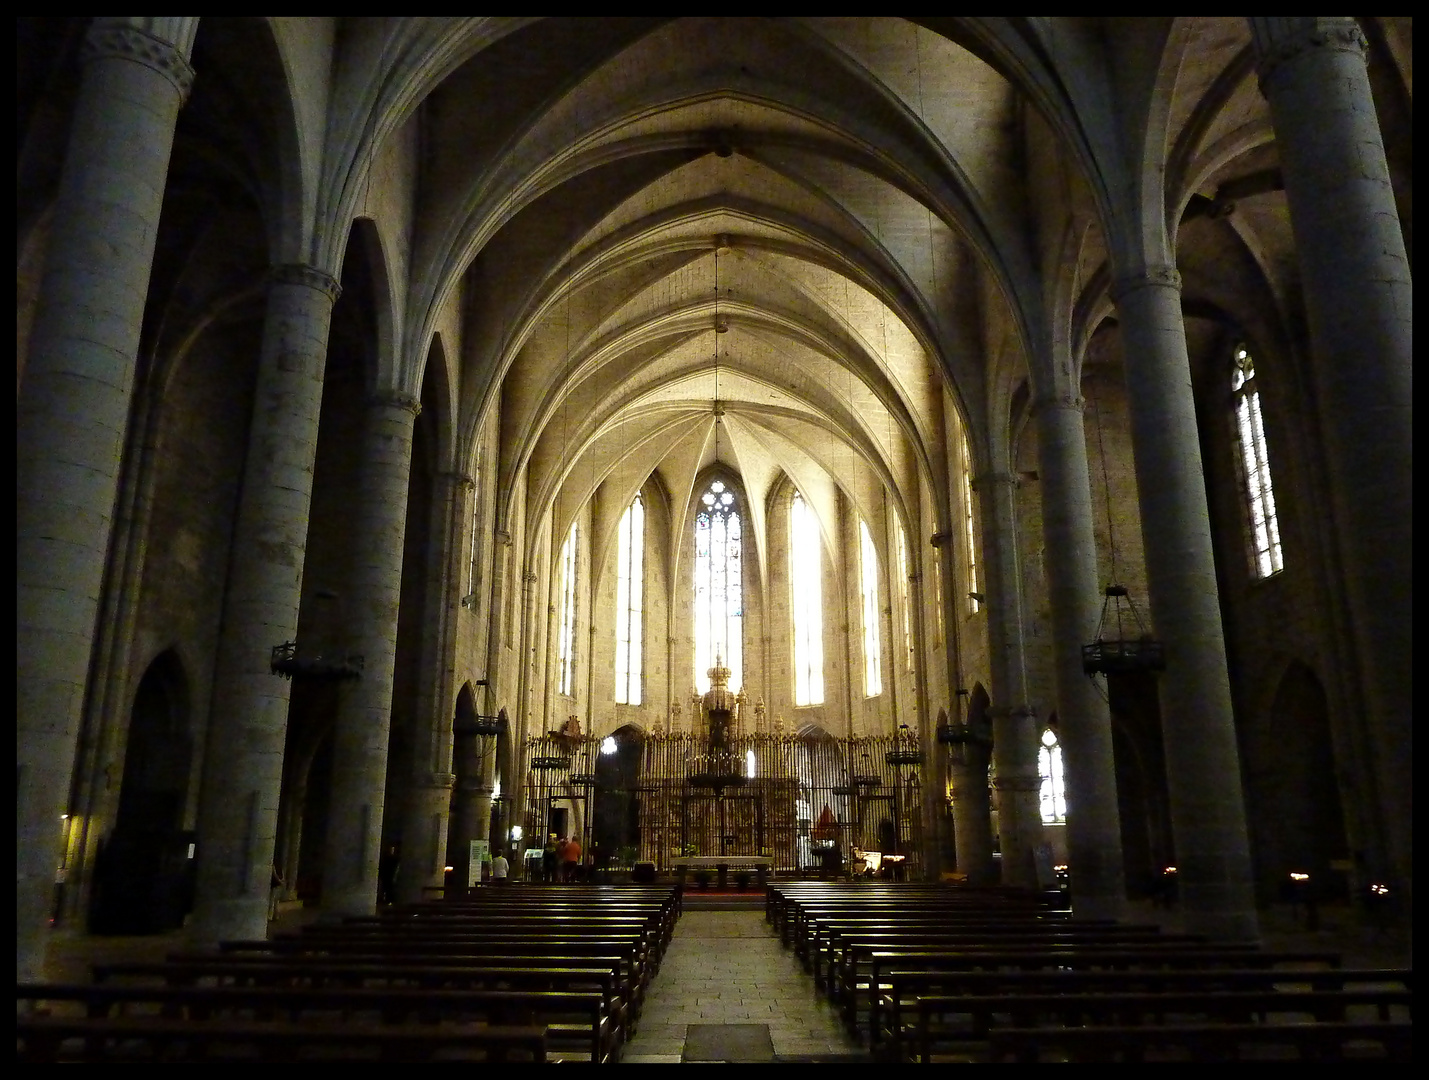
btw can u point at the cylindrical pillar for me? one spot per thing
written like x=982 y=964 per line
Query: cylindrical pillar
x=1084 y=720
x=364 y=717
x=1197 y=721
x=248 y=724
x=71 y=418
x=1014 y=725
x=1359 y=302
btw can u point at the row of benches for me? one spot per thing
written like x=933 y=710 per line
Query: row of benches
x=510 y=974
x=929 y=972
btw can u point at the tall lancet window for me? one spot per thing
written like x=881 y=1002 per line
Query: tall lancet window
x=805 y=570
x=629 y=603
x=1263 y=535
x=566 y=643
x=719 y=605
x=903 y=597
x=969 y=534
x=868 y=579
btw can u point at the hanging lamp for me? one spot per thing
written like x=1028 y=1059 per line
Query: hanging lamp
x=1122 y=654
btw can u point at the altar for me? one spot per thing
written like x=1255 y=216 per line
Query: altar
x=721 y=864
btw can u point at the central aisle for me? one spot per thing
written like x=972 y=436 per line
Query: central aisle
x=728 y=968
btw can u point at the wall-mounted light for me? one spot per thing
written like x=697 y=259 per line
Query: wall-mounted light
x=607 y=745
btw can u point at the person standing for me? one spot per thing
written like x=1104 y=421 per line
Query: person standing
x=387 y=875
x=549 y=863
x=500 y=868
x=571 y=860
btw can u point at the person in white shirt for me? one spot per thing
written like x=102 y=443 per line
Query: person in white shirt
x=499 y=869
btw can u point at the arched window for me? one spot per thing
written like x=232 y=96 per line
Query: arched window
x=567 y=640
x=868 y=579
x=1053 y=792
x=969 y=535
x=1263 y=534
x=903 y=597
x=629 y=603
x=719 y=607
x=805 y=570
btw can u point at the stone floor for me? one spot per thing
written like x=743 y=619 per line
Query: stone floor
x=727 y=967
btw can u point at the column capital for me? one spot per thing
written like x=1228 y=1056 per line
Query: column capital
x=530 y=577
x=1026 y=782
x=990 y=479
x=458 y=479
x=1280 y=38
x=437 y=781
x=1158 y=276
x=938 y=539
x=1070 y=402
x=394 y=399
x=309 y=277
x=503 y=537
x=106 y=39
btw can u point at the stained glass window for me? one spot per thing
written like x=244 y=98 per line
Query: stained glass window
x=806 y=565
x=629 y=604
x=1263 y=534
x=868 y=574
x=719 y=606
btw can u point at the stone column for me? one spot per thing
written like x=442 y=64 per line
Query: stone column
x=1084 y=720
x=248 y=723
x=1198 y=725
x=972 y=812
x=528 y=646
x=1014 y=724
x=71 y=417
x=429 y=792
x=359 y=753
x=1359 y=303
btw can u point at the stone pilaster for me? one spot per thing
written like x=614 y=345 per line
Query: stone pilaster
x=359 y=756
x=1014 y=726
x=243 y=753
x=1084 y=720
x=972 y=808
x=428 y=806
x=1198 y=725
x=1359 y=301
x=71 y=418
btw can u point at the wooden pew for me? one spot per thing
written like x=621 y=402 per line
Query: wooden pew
x=1112 y=957
x=1369 y=1040
x=577 y=1022
x=157 y=1038
x=595 y=976
x=931 y=1029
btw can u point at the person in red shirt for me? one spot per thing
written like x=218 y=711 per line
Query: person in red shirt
x=571 y=859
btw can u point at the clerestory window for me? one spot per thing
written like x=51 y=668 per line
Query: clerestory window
x=903 y=597
x=805 y=571
x=969 y=531
x=719 y=606
x=629 y=604
x=566 y=645
x=868 y=579
x=1263 y=533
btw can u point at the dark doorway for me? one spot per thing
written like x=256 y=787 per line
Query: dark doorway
x=143 y=881
x=1293 y=797
x=615 y=827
